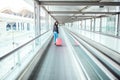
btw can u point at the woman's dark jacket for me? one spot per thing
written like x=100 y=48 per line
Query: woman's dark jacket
x=55 y=28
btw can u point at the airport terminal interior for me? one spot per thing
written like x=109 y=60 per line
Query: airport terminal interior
x=85 y=47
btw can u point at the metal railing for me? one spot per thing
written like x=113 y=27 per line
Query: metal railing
x=20 y=56
x=11 y=52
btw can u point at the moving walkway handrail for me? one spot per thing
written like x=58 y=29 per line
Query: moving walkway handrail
x=103 y=45
x=116 y=53
x=114 y=73
x=11 y=52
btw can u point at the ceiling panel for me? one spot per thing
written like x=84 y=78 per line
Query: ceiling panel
x=62 y=14
x=73 y=9
x=87 y=14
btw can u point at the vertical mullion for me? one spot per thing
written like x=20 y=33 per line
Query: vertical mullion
x=118 y=26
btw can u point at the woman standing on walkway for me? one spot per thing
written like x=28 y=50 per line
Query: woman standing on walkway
x=55 y=31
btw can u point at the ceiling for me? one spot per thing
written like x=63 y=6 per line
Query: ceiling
x=72 y=10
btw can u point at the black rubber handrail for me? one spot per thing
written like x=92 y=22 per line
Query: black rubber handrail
x=11 y=52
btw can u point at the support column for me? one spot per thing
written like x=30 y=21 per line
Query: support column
x=94 y=25
x=81 y=24
x=85 y=25
x=100 y=25
x=118 y=26
x=46 y=21
x=37 y=20
x=91 y=25
x=16 y=26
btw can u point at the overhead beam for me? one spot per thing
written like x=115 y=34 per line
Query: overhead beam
x=79 y=3
x=77 y=12
x=78 y=17
x=73 y=20
x=74 y=16
x=49 y=13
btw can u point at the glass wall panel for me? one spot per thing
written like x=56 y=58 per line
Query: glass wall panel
x=14 y=33
x=104 y=20
x=109 y=25
x=80 y=24
x=51 y=22
x=110 y=28
x=88 y=24
x=44 y=21
x=97 y=24
x=74 y=25
x=69 y=25
x=77 y=25
x=92 y=25
x=83 y=24
x=16 y=30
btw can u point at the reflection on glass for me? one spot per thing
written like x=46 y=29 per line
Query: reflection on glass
x=88 y=24
x=109 y=25
x=83 y=24
x=20 y=57
x=97 y=24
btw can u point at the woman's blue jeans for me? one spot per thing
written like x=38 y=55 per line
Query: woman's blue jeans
x=55 y=36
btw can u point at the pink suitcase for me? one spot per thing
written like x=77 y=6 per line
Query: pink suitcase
x=58 y=41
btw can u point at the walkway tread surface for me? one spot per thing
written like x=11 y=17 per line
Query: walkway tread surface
x=58 y=64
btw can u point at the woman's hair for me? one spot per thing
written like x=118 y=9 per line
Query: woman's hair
x=55 y=23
